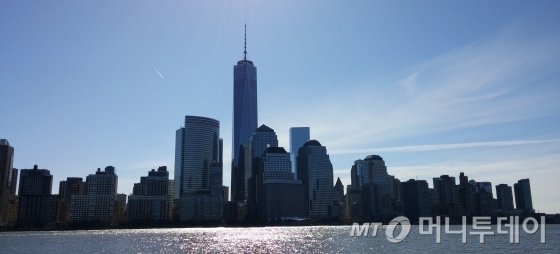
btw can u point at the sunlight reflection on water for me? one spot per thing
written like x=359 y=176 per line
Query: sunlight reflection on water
x=320 y=239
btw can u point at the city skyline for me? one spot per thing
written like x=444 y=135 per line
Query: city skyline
x=473 y=93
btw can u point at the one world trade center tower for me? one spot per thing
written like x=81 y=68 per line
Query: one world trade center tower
x=245 y=117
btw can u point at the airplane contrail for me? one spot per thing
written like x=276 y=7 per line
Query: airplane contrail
x=158 y=73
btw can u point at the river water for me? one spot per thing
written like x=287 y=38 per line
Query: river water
x=311 y=239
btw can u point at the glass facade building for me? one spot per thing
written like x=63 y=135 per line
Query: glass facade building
x=262 y=138
x=196 y=148
x=298 y=137
x=245 y=117
x=504 y=196
x=523 y=199
x=316 y=173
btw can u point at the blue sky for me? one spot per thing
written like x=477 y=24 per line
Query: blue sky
x=434 y=87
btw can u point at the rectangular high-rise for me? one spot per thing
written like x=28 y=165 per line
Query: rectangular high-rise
x=98 y=203
x=523 y=199
x=245 y=115
x=36 y=202
x=196 y=147
x=151 y=202
x=6 y=161
x=504 y=197
x=298 y=137
x=416 y=199
x=198 y=172
x=316 y=173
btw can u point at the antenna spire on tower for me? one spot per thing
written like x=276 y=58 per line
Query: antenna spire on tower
x=245 y=52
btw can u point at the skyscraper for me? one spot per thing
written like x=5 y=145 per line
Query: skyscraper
x=238 y=175
x=6 y=161
x=416 y=199
x=278 y=193
x=198 y=172
x=444 y=186
x=523 y=200
x=98 y=201
x=298 y=137
x=151 y=202
x=13 y=181
x=262 y=138
x=196 y=148
x=360 y=174
x=316 y=173
x=379 y=174
x=504 y=197
x=36 y=202
x=245 y=117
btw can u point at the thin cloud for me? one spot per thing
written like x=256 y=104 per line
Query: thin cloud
x=423 y=148
x=158 y=73
x=477 y=85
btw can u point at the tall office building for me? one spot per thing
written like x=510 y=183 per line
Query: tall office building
x=13 y=181
x=360 y=174
x=262 y=138
x=98 y=201
x=35 y=182
x=6 y=166
x=523 y=200
x=150 y=199
x=198 y=172
x=68 y=188
x=416 y=199
x=238 y=178
x=316 y=173
x=298 y=137
x=36 y=202
x=339 y=201
x=245 y=117
x=384 y=182
x=196 y=147
x=278 y=193
x=504 y=196
x=444 y=186
x=71 y=186
x=487 y=186
x=379 y=174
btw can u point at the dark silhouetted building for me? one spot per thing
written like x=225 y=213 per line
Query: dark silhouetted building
x=484 y=203
x=245 y=120
x=445 y=188
x=339 y=201
x=298 y=137
x=6 y=166
x=36 y=204
x=197 y=156
x=316 y=173
x=504 y=197
x=384 y=182
x=13 y=181
x=262 y=138
x=150 y=199
x=66 y=189
x=416 y=199
x=278 y=193
x=523 y=200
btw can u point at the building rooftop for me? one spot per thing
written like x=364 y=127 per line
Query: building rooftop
x=312 y=142
x=264 y=128
x=275 y=150
x=373 y=158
